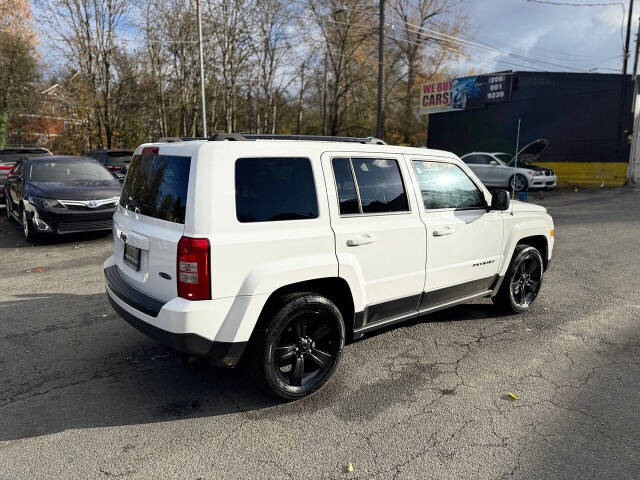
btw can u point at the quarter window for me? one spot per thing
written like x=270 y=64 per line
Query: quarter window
x=445 y=185
x=273 y=189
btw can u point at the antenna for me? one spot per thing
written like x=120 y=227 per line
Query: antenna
x=515 y=164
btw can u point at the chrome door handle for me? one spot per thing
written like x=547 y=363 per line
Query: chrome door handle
x=363 y=240
x=442 y=233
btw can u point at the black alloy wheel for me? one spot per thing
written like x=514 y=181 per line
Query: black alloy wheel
x=302 y=346
x=526 y=282
x=522 y=281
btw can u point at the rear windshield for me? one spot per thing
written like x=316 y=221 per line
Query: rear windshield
x=67 y=170
x=156 y=186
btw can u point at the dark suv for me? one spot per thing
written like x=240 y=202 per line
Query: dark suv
x=10 y=154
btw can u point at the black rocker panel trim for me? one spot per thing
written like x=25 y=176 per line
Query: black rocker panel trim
x=455 y=292
x=382 y=311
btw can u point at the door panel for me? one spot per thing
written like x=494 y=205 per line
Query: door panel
x=385 y=250
x=464 y=241
x=470 y=252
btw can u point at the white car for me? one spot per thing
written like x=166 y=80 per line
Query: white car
x=279 y=250
x=497 y=169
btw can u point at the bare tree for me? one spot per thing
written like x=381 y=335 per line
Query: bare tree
x=88 y=32
x=345 y=30
x=420 y=51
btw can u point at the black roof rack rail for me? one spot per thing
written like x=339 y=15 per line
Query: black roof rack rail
x=178 y=139
x=318 y=138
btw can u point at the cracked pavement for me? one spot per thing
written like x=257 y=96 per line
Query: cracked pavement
x=83 y=395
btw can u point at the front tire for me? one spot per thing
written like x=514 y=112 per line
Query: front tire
x=522 y=282
x=519 y=183
x=301 y=347
x=27 y=228
x=9 y=212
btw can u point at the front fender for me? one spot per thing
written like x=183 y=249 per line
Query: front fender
x=519 y=227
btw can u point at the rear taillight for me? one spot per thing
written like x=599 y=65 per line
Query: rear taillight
x=113 y=168
x=194 y=279
x=6 y=167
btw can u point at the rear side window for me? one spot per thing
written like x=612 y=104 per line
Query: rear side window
x=270 y=189
x=380 y=185
x=156 y=186
x=477 y=160
x=444 y=185
x=377 y=187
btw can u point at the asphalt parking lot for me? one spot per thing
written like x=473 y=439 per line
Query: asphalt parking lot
x=84 y=396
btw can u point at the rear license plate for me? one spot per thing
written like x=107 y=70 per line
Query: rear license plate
x=132 y=256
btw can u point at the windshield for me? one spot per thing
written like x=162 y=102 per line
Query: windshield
x=67 y=170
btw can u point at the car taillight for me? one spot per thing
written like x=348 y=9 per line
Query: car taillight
x=6 y=167
x=194 y=279
x=113 y=168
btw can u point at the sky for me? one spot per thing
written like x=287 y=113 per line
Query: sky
x=567 y=38
x=552 y=38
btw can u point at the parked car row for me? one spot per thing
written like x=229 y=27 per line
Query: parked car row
x=57 y=194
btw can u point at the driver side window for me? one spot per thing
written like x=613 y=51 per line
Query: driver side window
x=445 y=185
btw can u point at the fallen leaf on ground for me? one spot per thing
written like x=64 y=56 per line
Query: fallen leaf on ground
x=37 y=270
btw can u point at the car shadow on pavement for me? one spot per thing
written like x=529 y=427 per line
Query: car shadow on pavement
x=68 y=361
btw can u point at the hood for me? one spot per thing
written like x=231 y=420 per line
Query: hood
x=519 y=206
x=536 y=167
x=532 y=151
x=76 y=190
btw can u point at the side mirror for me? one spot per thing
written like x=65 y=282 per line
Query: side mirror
x=500 y=200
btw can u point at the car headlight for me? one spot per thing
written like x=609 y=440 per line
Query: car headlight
x=538 y=173
x=45 y=202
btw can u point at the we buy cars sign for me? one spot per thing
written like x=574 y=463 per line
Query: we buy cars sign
x=435 y=96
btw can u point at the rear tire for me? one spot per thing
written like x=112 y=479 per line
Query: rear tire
x=522 y=282
x=300 y=348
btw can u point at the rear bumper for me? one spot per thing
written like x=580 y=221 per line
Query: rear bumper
x=146 y=314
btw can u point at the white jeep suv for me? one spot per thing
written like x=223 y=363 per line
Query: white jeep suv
x=282 y=249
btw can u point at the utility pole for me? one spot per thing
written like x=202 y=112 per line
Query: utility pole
x=635 y=60
x=626 y=45
x=380 y=119
x=203 y=105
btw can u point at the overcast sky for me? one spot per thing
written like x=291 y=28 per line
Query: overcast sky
x=576 y=38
